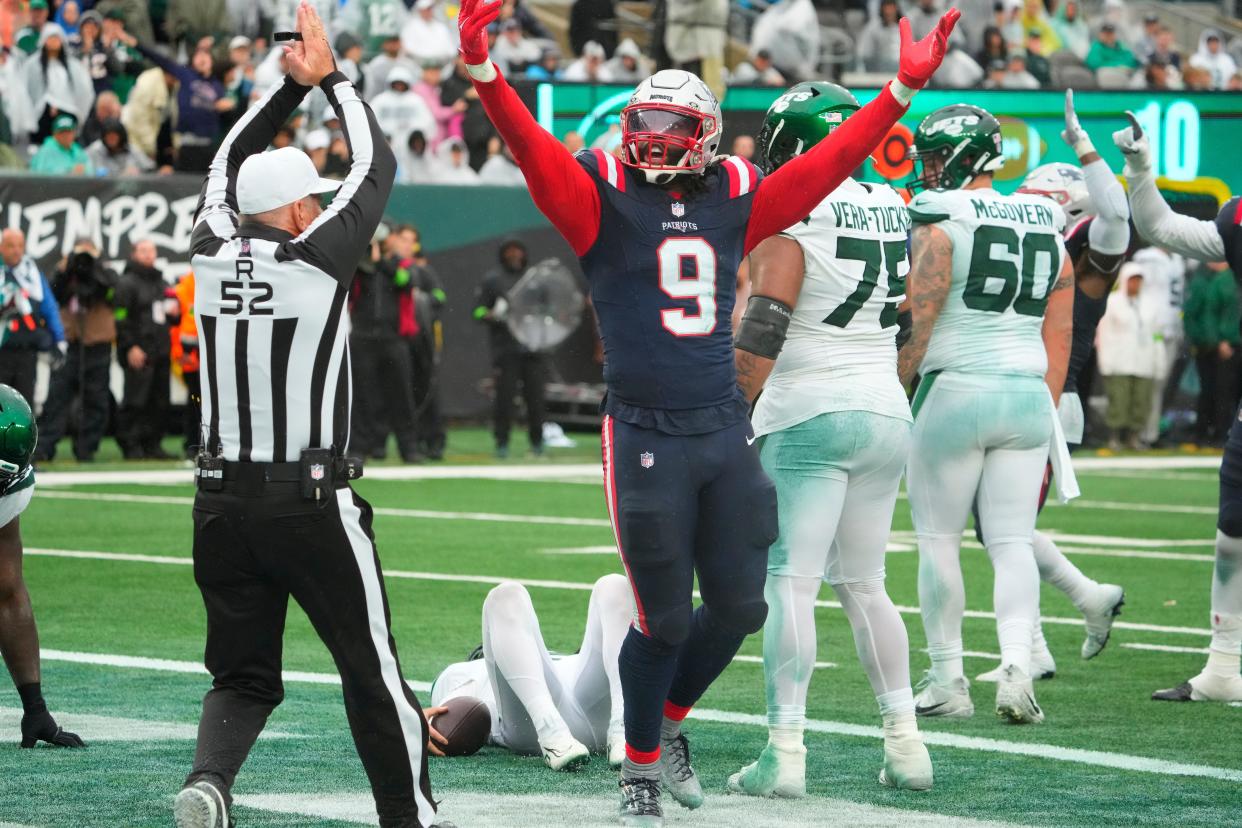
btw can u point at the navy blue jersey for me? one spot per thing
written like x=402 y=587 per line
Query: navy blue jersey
x=663 y=276
x=1087 y=311
x=1229 y=223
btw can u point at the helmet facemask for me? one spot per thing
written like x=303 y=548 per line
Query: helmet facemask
x=665 y=140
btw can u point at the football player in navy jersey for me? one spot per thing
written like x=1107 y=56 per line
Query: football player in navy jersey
x=1211 y=241
x=660 y=232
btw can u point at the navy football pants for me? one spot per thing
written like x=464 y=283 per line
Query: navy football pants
x=1229 y=519
x=682 y=505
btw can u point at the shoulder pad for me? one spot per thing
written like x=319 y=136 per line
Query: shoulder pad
x=743 y=176
x=932 y=206
x=602 y=165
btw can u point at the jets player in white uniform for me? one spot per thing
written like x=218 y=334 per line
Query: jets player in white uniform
x=834 y=426
x=563 y=707
x=991 y=293
x=1097 y=238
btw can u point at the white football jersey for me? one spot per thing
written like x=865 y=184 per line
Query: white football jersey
x=1007 y=254
x=840 y=353
x=14 y=503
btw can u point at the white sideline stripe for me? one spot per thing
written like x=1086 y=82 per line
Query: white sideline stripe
x=1034 y=749
x=171 y=477
x=1118 y=506
x=487 y=810
x=749 y=659
x=545 y=584
x=1166 y=648
x=550 y=520
x=166 y=665
x=1037 y=750
x=379 y=510
x=1089 y=464
x=94 y=728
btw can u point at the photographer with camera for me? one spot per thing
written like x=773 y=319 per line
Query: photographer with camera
x=83 y=287
x=29 y=317
x=146 y=307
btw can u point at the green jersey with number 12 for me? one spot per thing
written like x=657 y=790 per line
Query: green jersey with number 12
x=840 y=353
x=1007 y=254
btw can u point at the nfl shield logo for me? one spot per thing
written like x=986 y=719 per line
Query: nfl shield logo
x=679 y=209
x=646 y=459
x=316 y=471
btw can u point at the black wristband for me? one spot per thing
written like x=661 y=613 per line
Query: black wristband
x=763 y=327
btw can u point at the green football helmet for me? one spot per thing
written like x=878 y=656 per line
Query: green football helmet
x=953 y=146
x=18 y=436
x=801 y=118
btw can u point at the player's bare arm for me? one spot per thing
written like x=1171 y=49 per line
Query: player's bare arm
x=790 y=193
x=1058 y=330
x=927 y=287
x=777 y=267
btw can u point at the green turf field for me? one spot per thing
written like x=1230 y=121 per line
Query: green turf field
x=122 y=631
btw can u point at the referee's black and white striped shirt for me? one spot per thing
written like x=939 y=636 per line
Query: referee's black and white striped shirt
x=272 y=323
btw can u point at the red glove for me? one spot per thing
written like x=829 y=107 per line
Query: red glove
x=919 y=61
x=472 y=21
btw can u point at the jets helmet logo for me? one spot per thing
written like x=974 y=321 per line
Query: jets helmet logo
x=954 y=125
x=646 y=459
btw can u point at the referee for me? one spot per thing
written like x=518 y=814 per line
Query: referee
x=274 y=516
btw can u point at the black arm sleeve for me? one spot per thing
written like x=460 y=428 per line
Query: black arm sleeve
x=341 y=236
x=215 y=219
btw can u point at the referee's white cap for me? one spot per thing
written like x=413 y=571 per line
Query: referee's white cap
x=268 y=180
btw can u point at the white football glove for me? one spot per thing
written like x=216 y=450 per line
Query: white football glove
x=1074 y=134
x=60 y=355
x=1134 y=146
x=500 y=310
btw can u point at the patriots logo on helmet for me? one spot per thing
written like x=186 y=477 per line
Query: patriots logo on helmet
x=646 y=459
x=679 y=209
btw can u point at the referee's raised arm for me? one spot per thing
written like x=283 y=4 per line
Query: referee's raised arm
x=275 y=516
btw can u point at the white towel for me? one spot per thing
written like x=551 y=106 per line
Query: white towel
x=1062 y=467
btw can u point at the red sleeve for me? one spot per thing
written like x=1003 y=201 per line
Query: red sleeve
x=560 y=187
x=790 y=193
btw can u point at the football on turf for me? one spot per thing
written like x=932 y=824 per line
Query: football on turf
x=466 y=725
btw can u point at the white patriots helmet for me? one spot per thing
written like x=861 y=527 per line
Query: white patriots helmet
x=671 y=126
x=1066 y=185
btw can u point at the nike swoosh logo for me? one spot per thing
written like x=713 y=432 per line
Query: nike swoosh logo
x=750 y=441
x=923 y=711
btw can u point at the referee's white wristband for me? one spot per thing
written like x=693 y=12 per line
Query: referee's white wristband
x=483 y=72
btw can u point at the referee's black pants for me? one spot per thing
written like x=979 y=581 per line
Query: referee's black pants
x=257 y=544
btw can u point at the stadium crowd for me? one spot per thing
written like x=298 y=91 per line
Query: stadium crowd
x=108 y=87
x=119 y=87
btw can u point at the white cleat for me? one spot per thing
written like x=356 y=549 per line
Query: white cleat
x=566 y=756
x=201 y=805
x=676 y=774
x=777 y=773
x=948 y=701
x=1099 y=617
x=1042 y=668
x=616 y=746
x=1015 y=698
x=907 y=764
x=1204 y=687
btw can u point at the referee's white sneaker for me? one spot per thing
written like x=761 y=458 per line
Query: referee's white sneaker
x=201 y=805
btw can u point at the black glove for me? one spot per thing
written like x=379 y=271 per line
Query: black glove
x=41 y=727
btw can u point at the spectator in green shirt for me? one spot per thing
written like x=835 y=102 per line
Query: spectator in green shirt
x=1212 y=329
x=61 y=154
x=27 y=38
x=1106 y=50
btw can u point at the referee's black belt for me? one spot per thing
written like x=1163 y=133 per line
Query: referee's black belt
x=261 y=472
x=214 y=474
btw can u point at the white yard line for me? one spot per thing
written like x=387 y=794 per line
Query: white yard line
x=1038 y=750
x=749 y=659
x=487 y=810
x=93 y=728
x=1165 y=648
x=172 y=477
x=570 y=585
x=1181 y=461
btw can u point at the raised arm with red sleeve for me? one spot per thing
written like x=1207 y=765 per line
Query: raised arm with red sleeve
x=790 y=194
x=560 y=187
